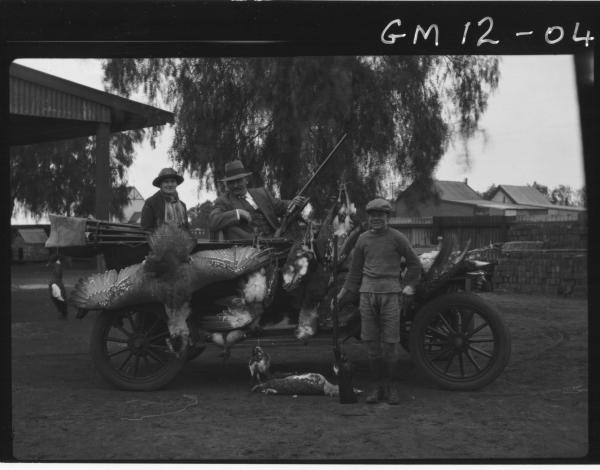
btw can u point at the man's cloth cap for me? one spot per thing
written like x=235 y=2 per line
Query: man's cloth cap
x=235 y=170
x=379 y=205
x=167 y=173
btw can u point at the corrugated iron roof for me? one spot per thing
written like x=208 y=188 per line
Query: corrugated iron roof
x=524 y=195
x=44 y=107
x=455 y=191
x=33 y=235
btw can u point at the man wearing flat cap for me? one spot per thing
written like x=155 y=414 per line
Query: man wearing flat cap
x=375 y=274
x=242 y=212
x=164 y=206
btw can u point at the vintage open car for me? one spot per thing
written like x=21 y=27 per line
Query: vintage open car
x=164 y=299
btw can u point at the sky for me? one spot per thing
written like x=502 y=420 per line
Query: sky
x=530 y=129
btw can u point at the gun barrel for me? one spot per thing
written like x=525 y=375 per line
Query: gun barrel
x=336 y=344
x=288 y=215
x=323 y=163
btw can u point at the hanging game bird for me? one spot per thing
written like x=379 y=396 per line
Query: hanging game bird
x=342 y=222
x=58 y=293
x=227 y=340
x=168 y=275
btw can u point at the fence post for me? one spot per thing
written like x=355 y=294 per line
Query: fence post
x=435 y=230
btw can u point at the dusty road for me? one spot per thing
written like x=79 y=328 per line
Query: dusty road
x=62 y=410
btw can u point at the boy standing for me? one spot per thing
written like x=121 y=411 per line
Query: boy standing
x=375 y=273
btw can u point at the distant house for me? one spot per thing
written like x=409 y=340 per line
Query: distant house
x=455 y=198
x=136 y=218
x=528 y=195
x=28 y=244
x=132 y=211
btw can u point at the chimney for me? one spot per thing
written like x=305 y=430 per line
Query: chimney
x=466 y=180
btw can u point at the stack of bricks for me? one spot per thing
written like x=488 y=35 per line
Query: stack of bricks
x=553 y=234
x=527 y=267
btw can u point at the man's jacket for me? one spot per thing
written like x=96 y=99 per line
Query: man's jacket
x=224 y=217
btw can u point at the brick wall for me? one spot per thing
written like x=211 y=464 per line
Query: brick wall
x=572 y=234
x=560 y=272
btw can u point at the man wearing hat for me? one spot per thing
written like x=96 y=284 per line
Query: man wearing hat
x=241 y=211
x=375 y=274
x=164 y=207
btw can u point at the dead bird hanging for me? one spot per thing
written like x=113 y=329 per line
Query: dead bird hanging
x=169 y=275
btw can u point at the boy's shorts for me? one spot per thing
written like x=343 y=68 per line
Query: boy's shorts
x=380 y=317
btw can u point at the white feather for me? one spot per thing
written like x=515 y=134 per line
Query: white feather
x=234 y=336
x=307 y=212
x=303 y=265
x=427 y=259
x=236 y=317
x=217 y=338
x=255 y=288
x=56 y=293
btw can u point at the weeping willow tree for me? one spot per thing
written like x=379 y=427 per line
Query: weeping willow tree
x=281 y=116
x=59 y=176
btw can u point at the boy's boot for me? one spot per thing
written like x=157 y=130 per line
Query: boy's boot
x=375 y=391
x=393 y=382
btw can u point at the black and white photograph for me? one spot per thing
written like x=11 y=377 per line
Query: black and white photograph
x=302 y=257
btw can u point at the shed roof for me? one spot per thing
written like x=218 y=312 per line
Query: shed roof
x=33 y=235
x=528 y=195
x=44 y=107
x=455 y=191
x=523 y=194
x=446 y=191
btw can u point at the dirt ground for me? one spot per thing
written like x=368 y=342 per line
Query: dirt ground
x=62 y=410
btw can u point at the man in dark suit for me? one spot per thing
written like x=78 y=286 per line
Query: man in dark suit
x=241 y=211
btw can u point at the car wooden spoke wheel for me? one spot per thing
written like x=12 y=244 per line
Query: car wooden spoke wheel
x=459 y=341
x=130 y=349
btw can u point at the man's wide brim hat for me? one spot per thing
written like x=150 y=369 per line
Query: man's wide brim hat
x=235 y=170
x=167 y=173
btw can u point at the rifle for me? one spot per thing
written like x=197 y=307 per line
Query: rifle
x=291 y=214
x=344 y=373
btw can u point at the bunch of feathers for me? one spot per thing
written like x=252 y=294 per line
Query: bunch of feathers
x=446 y=263
x=343 y=220
x=169 y=249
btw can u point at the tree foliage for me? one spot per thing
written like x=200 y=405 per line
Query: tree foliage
x=59 y=177
x=281 y=116
x=487 y=194
x=562 y=195
x=541 y=188
x=199 y=215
